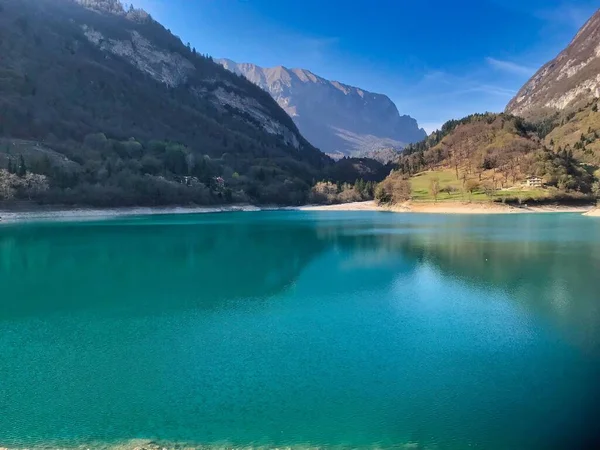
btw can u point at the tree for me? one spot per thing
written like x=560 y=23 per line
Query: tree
x=8 y=184
x=434 y=188
x=370 y=190
x=175 y=160
x=596 y=190
x=228 y=195
x=394 y=189
x=34 y=184
x=401 y=190
x=489 y=189
x=22 y=169
x=448 y=190
x=381 y=195
x=470 y=187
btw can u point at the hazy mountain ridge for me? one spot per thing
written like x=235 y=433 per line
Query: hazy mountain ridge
x=335 y=117
x=567 y=82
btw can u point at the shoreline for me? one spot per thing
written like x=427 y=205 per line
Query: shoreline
x=593 y=212
x=454 y=208
x=81 y=214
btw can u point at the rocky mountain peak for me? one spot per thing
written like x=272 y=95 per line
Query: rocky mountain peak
x=335 y=117
x=566 y=82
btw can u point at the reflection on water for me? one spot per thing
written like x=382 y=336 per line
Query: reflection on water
x=142 y=265
x=283 y=328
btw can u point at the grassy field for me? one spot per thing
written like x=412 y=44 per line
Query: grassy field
x=421 y=190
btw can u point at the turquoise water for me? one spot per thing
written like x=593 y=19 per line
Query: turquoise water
x=302 y=328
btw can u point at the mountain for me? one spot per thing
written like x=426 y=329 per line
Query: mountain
x=337 y=118
x=566 y=83
x=550 y=132
x=112 y=108
x=562 y=98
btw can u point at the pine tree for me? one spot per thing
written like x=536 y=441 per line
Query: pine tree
x=22 y=169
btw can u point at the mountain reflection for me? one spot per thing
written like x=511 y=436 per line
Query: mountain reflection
x=148 y=265
x=145 y=265
x=548 y=267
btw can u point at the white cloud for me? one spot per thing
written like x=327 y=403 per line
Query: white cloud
x=509 y=66
x=573 y=16
x=495 y=90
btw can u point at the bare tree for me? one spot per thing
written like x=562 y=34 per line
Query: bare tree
x=395 y=189
x=401 y=190
x=470 y=187
x=434 y=188
x=490 y=190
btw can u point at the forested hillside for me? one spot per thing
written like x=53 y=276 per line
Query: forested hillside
x=110 y=108
x=492 y=155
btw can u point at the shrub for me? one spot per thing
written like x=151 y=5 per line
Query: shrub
x=394 y=189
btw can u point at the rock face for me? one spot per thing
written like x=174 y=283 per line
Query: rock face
x=336 y=118
x=570 y=80
x=82 y=66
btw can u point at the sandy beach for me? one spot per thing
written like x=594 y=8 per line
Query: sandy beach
x=451 y=208
x=593 y=213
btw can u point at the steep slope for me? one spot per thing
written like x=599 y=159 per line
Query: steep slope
x=72 y=69
x=337 y=118
x=566 y=83
x=579 y=133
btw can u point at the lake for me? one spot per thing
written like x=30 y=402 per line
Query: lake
x=323 y=329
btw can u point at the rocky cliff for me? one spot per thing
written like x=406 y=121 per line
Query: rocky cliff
x=569 y=81
x=337 y=118
x=53 y=47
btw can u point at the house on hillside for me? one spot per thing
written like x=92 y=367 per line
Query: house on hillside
x=534 y=182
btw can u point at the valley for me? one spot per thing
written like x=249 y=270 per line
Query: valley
x=104 y=107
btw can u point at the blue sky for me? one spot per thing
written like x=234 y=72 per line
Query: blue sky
x=435 y=59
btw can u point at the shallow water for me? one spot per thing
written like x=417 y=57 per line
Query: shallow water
x=302 y=328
